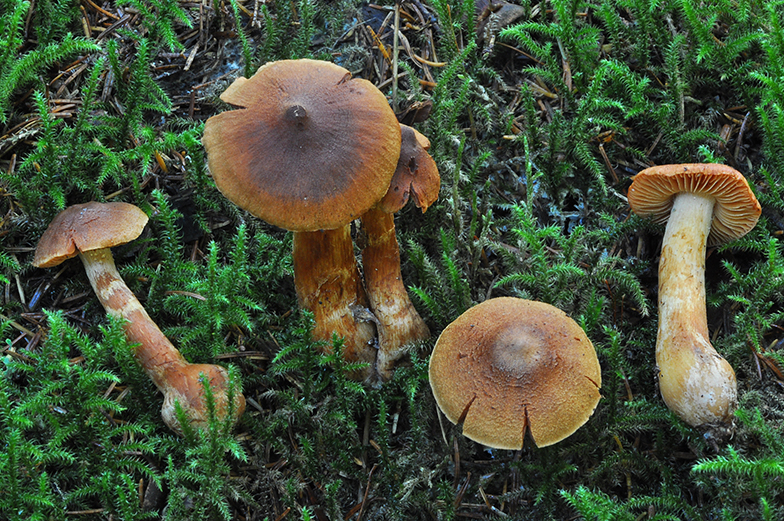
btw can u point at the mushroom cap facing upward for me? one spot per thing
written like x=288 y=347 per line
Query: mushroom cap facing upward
x=509 y=365
x=735 y=211
x=309 y=149
x=87 y=227
x=416 y=174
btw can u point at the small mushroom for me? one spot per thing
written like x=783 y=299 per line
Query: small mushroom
x=89 y=231
x=702 y=204
x=399 y=324
x=309 y=150
x=509 y=366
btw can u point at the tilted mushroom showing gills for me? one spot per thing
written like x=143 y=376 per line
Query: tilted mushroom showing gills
x=90 y=230
x=309 y=150
x=399 y=324
x=702 y=204
x=509 y=365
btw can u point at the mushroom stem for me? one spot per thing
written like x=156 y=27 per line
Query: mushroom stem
x=399 y=324
x=328 y=284
x=696 y=382
x=178 y=380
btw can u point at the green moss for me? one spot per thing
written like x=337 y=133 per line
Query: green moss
x=536 y=139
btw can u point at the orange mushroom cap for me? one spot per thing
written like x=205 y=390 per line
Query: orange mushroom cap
x=416 y=174
x=310 y=149
x=86 y=227
x=509 y=365
x=735 y=212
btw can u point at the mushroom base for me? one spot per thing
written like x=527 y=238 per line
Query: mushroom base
x=328 y=284
x=399 y=324
x=698 y=384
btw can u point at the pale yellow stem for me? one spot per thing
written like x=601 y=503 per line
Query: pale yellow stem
x=695 y=381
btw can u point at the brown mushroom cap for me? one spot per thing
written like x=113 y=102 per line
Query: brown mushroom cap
x=416 y=174
x=87 y=227
x=509 y=365
x=310 y=147
x=736 y=209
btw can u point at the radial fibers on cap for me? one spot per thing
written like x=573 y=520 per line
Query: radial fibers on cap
x=508 y=366
x=309 y=148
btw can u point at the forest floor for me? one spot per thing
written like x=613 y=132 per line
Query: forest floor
x=539 y=114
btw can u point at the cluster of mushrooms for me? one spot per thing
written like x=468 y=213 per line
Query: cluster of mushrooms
x=312 y=150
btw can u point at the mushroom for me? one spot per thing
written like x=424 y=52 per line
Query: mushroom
x=702 y=204
x=89 y=231
x=309 y=150
x=509 y=365
x=399 y=324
